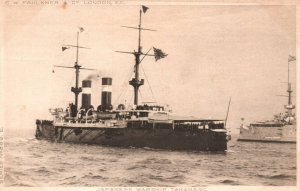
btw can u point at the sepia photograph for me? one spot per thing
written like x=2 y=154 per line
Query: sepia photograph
x=172 y=95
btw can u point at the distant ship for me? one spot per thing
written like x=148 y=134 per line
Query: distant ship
x=143 y=125
x=281 y=129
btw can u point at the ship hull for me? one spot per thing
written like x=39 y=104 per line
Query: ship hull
x=139 y=137
x=284 y=134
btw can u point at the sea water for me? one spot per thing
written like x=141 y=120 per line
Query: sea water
x=31 y=162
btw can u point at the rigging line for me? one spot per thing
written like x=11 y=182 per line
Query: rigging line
x=127 y=77
x=149 y=84
x=146 y=76
x=130 y=100
x=141 y=94
x=121 y=94
x=70 y=85
x=130 y=75
x=126 y=87
x=145 y=55
x=65 y=95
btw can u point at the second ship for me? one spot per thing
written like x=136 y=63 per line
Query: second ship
x=144 y=125
x=281 y=129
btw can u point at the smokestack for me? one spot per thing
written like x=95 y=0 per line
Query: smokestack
x=86 y=94
x=106 y=94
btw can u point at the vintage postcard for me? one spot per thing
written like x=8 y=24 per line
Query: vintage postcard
x=120 y=95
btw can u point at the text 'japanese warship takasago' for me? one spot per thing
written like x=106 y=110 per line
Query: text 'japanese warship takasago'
x=142 y=125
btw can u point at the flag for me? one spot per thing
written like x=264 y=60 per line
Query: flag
x=158 y=53
x=144 y=8
x=81 y=29
x=64 y=48
x=291 y=58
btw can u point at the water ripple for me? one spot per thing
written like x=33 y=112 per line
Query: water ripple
x=30 y=162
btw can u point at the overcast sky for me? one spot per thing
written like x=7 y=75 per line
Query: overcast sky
x=214 y=52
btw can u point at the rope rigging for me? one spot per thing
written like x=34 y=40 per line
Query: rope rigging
x=124 y=85
x=148 y=83
x=69 y=84
x=131 y=72
x=141 y=95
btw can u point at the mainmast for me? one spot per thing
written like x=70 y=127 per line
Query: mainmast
x=76 y=90
x=136 y=82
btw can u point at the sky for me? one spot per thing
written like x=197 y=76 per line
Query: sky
x=214 y=52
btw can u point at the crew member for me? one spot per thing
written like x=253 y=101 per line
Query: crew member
x=73 y=110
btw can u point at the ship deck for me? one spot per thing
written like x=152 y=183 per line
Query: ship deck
x=88 y=125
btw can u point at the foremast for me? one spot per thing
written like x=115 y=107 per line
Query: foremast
x=76 y=90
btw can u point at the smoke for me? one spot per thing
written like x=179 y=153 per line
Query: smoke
x=97 y=75
x=94 y=76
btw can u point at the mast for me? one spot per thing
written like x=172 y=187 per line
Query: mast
x=227 y=112
x=290 y=106
x=136 y=82
x=76 y=90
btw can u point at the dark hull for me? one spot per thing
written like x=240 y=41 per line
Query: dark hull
x=157 y=138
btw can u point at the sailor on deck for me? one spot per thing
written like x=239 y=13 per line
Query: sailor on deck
x=73 y=110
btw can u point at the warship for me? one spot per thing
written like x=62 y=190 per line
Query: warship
x=281 y=129
x=146 y=125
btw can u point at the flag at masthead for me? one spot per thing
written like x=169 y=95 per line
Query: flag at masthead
x=144 y=8
x=81 y=29
x=136 y=82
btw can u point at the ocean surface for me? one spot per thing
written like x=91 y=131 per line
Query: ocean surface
x=31 y=162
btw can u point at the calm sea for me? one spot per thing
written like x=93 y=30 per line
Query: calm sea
x=30 y=162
